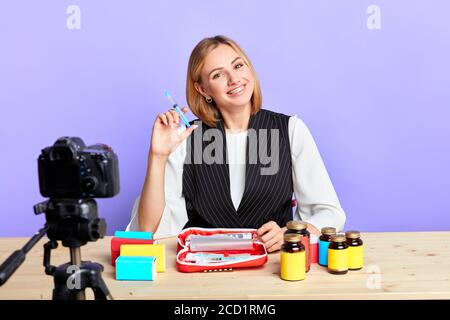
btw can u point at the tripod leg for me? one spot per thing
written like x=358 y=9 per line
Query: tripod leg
x=101 y=291
x=61 y=291
x=96 y=281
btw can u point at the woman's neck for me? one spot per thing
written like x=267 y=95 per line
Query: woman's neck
x=236 y=121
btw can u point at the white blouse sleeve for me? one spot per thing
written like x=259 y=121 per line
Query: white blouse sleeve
x=317 y=202
x=174 y=216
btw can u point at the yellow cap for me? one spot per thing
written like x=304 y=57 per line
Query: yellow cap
x=296 y=225
x=329 y=231
x=293 y=237
x=338 y=238
x=353 y=234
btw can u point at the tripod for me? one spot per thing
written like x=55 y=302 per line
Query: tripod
x=74 y=222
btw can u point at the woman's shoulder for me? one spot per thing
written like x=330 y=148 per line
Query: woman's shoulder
x=297 y=122
x=271 y=113
x=294 y=120
x=299 y=135
x=298 y=131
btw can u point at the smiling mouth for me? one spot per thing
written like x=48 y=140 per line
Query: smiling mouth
x=236 y=91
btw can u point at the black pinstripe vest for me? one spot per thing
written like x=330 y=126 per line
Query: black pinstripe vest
x=206 y=187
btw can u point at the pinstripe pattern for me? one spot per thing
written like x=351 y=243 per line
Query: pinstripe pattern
x=206 y=188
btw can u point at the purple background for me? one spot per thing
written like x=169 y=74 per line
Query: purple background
x=376 y=101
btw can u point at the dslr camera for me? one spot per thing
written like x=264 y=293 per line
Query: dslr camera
x=70 y=169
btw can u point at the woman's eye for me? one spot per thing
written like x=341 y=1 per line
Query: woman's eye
x=216 y=75
x=239 y=65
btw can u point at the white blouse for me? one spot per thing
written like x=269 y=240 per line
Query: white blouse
x=317 y=202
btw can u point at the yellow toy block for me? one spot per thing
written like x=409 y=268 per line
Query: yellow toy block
x=146 y=250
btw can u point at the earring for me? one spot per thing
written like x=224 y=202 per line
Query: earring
x=208 y=99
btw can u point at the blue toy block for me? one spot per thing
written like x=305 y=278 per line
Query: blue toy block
x=135 y=268
x=134 y=235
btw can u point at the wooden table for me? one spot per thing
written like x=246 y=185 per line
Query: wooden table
x=412 y=265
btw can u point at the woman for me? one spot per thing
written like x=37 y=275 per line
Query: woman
x=188 y=182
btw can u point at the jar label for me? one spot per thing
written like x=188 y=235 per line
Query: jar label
x=355 y=257
x=338 y=259
x=292 y=265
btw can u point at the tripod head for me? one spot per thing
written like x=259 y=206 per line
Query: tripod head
x=72 y=221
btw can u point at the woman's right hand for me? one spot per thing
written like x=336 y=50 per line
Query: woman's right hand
x=165 y=136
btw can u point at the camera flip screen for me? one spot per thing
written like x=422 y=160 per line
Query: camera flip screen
x=61 y=177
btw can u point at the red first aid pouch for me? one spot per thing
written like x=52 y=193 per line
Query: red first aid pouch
x=253 y=256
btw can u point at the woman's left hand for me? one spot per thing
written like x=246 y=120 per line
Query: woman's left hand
x=271 y=235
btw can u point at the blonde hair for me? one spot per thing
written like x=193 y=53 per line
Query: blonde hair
x=208 y=112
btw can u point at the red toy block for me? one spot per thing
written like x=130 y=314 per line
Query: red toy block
x=117 y=242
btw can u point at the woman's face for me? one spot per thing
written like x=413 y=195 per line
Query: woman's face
x=226 y=79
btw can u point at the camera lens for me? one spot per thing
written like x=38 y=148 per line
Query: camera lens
x=89 y=183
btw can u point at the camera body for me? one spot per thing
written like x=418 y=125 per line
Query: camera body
x=70 y=169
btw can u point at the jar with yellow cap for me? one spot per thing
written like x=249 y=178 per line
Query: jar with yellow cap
x=324 y=243
x=299 y=227
x=292 y=258
x=355 y=250
x=338 y=255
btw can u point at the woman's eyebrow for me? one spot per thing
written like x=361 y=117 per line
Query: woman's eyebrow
x=215 y=69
